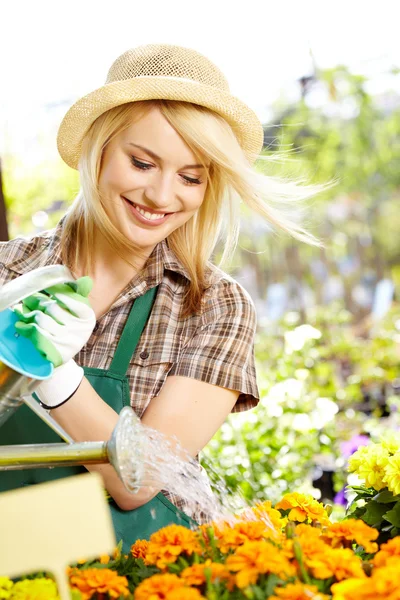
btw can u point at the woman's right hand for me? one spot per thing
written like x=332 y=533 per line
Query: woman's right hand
x=59 y=321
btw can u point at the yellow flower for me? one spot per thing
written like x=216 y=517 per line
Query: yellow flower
x=196 y=574
x=104 y=559
x=5 y=587
x=232 y=537
x=303 y=508
x=298 y=591
x=158 y=587
x=169 y=542
x=340 y=563
x=35 y=589
x=369 y=463
x=391 y=442
x=392 y=474
x=185 y=594
x=98 y=581
x=269 y=515
x=139 y=549
x=387 y=551
x=255 y=558
x=352 y=530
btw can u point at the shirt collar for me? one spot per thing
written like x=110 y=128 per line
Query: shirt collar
x=47 y=251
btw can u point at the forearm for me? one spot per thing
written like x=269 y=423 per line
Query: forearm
x=86 y=417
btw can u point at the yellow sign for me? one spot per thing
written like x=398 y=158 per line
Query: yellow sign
x=48 y=526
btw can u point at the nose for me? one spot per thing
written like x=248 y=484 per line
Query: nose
x=160 y=192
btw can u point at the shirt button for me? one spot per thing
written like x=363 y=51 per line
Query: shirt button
x=144 y=355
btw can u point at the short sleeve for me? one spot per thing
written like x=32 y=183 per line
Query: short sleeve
x=221 y=352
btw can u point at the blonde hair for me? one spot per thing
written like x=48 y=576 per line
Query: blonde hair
x=231 y=179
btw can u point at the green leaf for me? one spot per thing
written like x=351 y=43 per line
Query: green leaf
x=385 y=497
x=272 y=582
x=393 y=516
x=374 y=513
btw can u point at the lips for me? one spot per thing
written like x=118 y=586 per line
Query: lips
x=142 y=218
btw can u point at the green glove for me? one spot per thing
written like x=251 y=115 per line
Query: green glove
x=59 y=320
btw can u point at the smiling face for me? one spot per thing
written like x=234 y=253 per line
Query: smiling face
x=150 y=181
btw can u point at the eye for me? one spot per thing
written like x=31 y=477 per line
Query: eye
x=190 y=181
x=140 y=165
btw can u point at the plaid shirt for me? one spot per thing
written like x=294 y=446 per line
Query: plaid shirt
x=215 y=346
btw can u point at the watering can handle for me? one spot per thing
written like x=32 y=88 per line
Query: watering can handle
x=16 y=290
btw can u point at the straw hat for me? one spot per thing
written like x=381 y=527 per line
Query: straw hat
x=165 y=72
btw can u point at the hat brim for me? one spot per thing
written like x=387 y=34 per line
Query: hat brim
x=77 y=121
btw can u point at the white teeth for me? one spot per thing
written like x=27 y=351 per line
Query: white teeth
x=148 y=215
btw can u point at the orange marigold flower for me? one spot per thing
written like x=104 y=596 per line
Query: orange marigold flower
x=98 y=581
x=298 y=591
x=340 y=563
x=302 y=508
x=185 y=594
x=139 y=548
x=269 y=515
x=196 y=574
x=312 y=546
x=168 y=543
x=232 y=537
x=387 y=552
x=352 y=530
x=382 y=585
x=353 y=589
x=158 y=587
x=255 y=558
x=215 y=526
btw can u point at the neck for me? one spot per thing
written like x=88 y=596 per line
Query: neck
x=108 y=265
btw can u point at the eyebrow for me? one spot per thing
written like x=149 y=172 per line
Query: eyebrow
x=156 y=157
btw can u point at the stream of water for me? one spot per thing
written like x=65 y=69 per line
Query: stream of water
x=150 y=459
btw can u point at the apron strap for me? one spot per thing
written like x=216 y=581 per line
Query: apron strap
x=132 y=331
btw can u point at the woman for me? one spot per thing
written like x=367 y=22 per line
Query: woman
x=164 y=154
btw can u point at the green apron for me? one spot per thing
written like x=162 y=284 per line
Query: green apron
x=112 y=385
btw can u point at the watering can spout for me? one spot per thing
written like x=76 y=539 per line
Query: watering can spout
x=22 y=367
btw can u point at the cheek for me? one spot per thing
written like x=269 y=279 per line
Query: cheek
x=195 y=199
x=115 y=175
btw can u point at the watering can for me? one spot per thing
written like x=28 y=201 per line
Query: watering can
x=22 y=368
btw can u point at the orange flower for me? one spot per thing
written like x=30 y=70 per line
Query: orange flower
x=312 y=546
x=196 y=574
x=255 y=558
x=215 y=526
x=352 y=530
x=382 y=585
x=98 y=581
x=302 y=529
x=353 y=589
x=158 y=587
x=169 y=542
x=387 y=552
x=232 y=537
x=303 y=508
x=139 y=549
x=340 y=563
x=269 y=515
x=104 y=559
x=298 y=591
x=185 y=594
